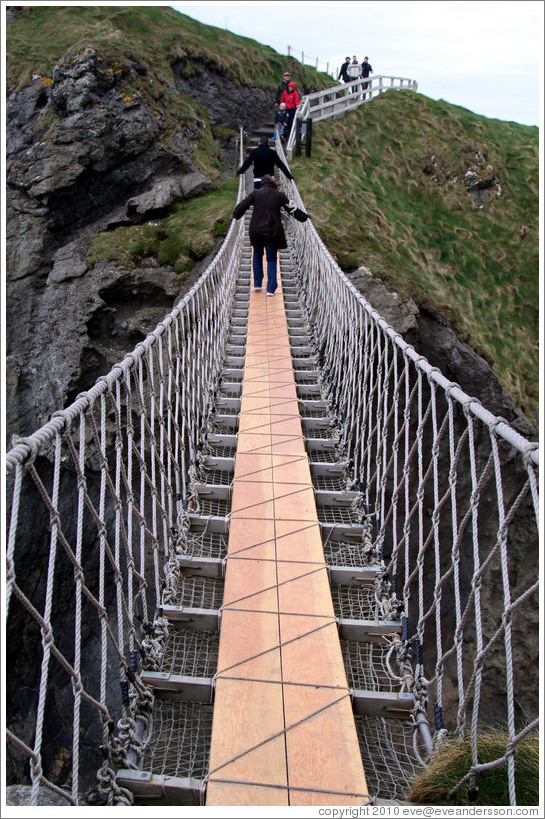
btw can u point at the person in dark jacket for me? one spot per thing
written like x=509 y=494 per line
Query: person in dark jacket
x=343 y=73
x=264 y=159
x=280 y=121
x=266 y=229
x=282 y=87
x=366 y=69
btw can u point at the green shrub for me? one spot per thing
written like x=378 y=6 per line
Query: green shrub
x=169 y=252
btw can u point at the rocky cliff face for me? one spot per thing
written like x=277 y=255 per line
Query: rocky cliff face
x=85 y=157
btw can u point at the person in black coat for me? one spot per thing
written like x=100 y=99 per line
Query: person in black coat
x=343 y=73
x=366 y=69
x=264 y=159
x=266 y=228
x=282 y=87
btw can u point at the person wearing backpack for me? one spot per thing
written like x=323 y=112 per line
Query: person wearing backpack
x=292 y=99
x=354 y=70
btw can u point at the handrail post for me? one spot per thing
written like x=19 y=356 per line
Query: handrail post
x=298 y=129
x=308 y=136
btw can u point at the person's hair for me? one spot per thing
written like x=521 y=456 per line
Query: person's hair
x=264 y=141
x=269 y=180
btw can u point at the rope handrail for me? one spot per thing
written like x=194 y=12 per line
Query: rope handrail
x=24 y=447
x=504 y=429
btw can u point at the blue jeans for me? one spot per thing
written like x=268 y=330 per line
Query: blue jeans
x=257 y=264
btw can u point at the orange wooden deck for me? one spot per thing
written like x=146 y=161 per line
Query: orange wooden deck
x=283 y=731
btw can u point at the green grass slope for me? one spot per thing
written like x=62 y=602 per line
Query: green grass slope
x=155 y=35
x=418 y=230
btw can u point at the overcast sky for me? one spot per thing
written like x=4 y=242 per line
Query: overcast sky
x=485 y=56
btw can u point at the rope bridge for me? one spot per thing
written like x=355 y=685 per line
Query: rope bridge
x=433 y=498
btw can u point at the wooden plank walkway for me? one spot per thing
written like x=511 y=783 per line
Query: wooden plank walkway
x=283 y=730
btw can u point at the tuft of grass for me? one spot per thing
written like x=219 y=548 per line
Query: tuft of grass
x=125 y=245
x=453 y=761
x=373 y=204
x=196 y=224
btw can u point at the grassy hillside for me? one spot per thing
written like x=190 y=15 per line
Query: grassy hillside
x=374 y=204
x=187 y=235
x=155 y=35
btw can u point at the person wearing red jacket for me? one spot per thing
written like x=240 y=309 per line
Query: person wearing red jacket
x=292 y=99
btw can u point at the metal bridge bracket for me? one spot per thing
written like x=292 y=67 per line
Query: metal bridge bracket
x=168 y=790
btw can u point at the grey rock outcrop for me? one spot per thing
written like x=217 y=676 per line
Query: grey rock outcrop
x=167 y=190
x=85 y=156
x=20 y=795
x=481 y=181
x=227 y=105
x=402 y=316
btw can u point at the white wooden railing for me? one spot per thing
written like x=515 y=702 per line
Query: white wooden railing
x=300 y=55
x=336 y=101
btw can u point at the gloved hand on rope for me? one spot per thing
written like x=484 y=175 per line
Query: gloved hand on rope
x=296 y=212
